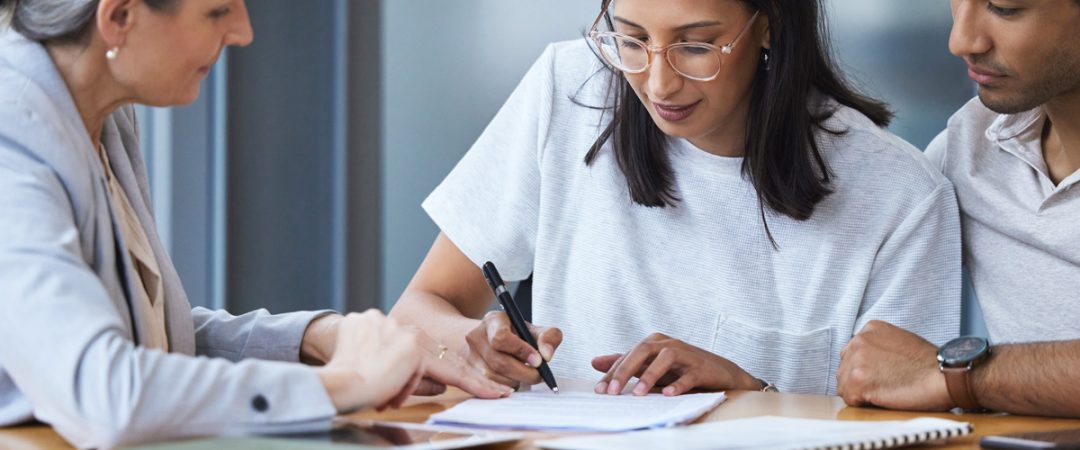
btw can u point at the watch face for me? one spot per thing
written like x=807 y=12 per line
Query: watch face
x=962 y=350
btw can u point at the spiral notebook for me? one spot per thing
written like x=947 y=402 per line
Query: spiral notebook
x=769 y=432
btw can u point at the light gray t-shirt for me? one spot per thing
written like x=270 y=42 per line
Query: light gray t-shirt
x=608 y=272
x=1021 y=238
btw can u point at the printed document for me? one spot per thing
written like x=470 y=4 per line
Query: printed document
x=540 y=409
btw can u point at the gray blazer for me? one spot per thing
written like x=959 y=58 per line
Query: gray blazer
x=69 y=353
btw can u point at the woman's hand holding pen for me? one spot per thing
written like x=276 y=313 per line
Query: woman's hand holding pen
x=504 y=357
x=660 y=360
x=379 y=363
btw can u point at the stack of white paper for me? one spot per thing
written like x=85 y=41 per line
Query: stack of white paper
x=579 y=411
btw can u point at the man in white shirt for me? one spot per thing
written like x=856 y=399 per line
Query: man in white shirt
x=1013 y=155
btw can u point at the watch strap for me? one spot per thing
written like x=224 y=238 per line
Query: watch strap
x=958 y=382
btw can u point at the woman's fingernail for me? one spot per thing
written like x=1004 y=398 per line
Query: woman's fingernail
x=547 y=351
x=534 y=360
x=640 y=389
x=600 y=387
x=614 y=388
x=669 y=391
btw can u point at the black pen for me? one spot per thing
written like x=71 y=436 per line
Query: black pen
x=491 y=274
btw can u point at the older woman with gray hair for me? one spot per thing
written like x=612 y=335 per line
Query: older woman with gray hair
x=97 y=337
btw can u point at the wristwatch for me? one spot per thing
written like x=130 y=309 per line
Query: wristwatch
x=768 y=387
x=956 y=359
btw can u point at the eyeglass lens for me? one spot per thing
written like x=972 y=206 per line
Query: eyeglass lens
x=695 y=61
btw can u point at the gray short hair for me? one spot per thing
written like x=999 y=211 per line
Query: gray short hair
x=59 y=20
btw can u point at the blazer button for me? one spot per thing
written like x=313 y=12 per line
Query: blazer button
x=259 y=403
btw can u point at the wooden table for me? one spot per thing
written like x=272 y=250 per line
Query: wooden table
x=739 y=404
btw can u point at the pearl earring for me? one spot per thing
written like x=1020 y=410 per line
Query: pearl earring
x=111 y=54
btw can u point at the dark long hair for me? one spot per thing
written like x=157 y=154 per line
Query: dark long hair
x=782 y=158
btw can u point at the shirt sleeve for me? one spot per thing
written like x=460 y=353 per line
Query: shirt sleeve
x=65 y=345
x=937 y=150
x=257 y=334
x=916 y=279
x=489 y=204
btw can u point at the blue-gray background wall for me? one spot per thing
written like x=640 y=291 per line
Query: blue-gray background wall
x=296 y=181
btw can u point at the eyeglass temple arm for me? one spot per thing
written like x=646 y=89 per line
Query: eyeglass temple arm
x=603 y=9
x=731 y=45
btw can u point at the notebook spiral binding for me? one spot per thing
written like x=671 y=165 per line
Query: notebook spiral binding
x=901 y=440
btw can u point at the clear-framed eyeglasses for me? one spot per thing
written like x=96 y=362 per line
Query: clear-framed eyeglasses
x=692 y=60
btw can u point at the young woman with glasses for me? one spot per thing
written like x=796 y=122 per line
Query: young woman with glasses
x=703 y=203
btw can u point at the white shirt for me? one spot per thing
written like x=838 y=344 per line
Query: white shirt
x=1020 y=229
x=608 y=272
